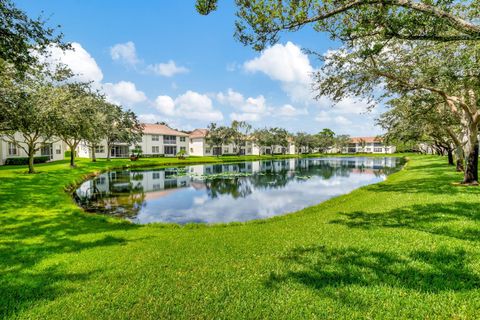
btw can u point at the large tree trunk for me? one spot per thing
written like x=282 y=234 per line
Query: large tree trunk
x=72 y=156
x=471 y=156
x=31 y=159
x=460 y=159
x=450 y=157
x=94 y=156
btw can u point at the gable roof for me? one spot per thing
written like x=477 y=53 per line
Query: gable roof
x=162 y=129
x=198 y=133
x=365 y=139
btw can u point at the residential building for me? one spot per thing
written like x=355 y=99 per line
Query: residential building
x=368 y=145
x=158 y=140
x=200 y=147
x=53 y=149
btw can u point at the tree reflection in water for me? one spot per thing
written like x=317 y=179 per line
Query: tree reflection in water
x=126 y=193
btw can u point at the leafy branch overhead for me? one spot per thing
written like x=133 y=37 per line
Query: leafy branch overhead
x=260 y=22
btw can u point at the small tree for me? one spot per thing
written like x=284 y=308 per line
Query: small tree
x=263 y=138
x=124 y=127
x=239 y=134
x=25 y=110
x=279 y=137
x=325 y=140
x=217 y=137
x=341 y=142
x=75 y=109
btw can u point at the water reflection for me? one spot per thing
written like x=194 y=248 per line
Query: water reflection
x=228 y=192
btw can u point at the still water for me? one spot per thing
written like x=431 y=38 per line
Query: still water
x=214 y=193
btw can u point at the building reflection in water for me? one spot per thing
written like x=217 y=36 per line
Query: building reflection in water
x=228 y=192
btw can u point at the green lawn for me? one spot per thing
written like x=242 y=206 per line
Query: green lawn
x=404 y=248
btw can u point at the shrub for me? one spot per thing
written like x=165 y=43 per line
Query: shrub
x=24 y=160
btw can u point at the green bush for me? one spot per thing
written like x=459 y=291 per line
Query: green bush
x=24 y=160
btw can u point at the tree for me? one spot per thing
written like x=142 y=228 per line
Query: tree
x=21 y=36
x=218 y=137
x=260 y=22
x=239 y=134
x=302 y=141
x=99 y=124
x=341 y=142
x=410 y=120
x=124 y=127
x=445 y=71
x=324 y=140
x=279 y=137
x=262 y=138
x=27 y=116
x=75 y=107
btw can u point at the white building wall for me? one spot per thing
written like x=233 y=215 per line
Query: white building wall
x=57 y=150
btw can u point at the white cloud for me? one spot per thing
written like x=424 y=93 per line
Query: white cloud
x=190 y=105
x=168 y=69
x=231 y=97
x=125 y=53
x=286 y=63
x=325 y=117
x=80 y=62
x=288 y=110
x=123 y=92
x=165 y=105
x=342 y=120
x=251 y=109
x=289 y=65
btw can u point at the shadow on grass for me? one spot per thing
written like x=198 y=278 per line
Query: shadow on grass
x=322 y=268
x=458 y=220
x=27 y=240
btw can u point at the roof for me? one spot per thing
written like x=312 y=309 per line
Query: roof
x=365 y=139
x=149 y=128
x=198 y=133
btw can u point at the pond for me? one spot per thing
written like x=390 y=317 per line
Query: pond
x=215 y=193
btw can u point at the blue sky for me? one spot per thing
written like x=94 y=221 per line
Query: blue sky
x=168 y=63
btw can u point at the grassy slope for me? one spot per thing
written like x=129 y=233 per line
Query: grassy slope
x=404 y=248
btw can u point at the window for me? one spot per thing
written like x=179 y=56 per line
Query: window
x=155 y=149
x=155 y=138
x=59 y=150
x=183 y=149
x=170 y=150
x=249 y=150
x=182 y=139
x=169 y=139
x=156 y=175
x=12 y=149
x=191 y=150
x=235 y=150
x=377 y=149
x=225 y=150
x=156 y=186
x=100 y=149
x=207 y=150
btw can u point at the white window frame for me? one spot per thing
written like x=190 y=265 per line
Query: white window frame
x=155 y=137
x=12 y=149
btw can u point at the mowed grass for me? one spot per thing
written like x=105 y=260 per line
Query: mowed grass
x=405 y=248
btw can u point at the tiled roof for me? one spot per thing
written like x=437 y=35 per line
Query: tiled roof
x=198 y=133
x=365 y=139
x=162 y=129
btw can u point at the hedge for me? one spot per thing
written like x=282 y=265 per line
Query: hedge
x=24 y=160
